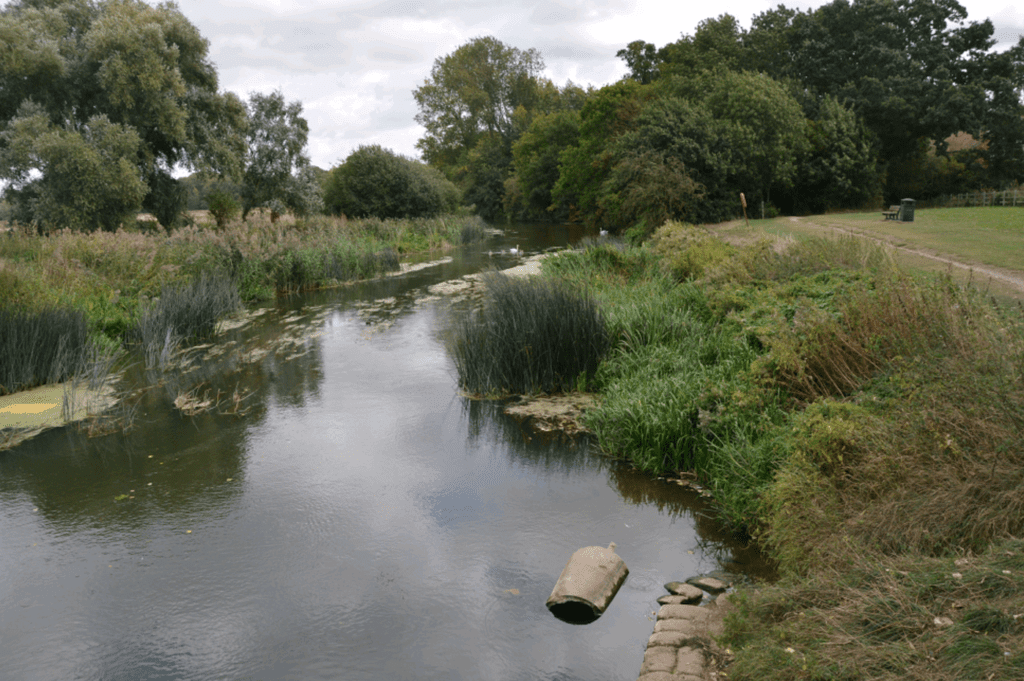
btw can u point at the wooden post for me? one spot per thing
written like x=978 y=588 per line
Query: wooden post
x=743 y=200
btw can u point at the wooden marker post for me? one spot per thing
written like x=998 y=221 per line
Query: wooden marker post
x=743 y=200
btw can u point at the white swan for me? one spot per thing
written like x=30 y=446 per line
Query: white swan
x=515 y=250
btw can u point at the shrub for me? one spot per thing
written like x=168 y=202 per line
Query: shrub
x=223 y=207
x=531 y=336
x=687 y=251
x=374 y=181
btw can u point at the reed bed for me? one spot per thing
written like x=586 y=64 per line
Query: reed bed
x=42 y=347
x=530 y=336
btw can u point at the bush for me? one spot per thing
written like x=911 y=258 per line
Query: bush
x=374 y=181
x=687 y=251
x=42 y=347
x=223 y=207
x=531 y=336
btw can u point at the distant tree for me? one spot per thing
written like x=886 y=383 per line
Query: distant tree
x=583 y=167
x=912 y=69
x=536 y=155
x=471 y=92
x=276 y=172
x=642 y=59
x=223 y=206
x=373 y=181
x=142 y=69
x=716 y=44
x=841 y=168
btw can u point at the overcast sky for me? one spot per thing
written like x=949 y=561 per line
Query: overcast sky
x=354 y=63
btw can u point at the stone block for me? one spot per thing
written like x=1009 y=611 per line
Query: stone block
x=659 y=659
x=673 y=639
x=683 y=612
x=690 y=593
x=660 y=676
x=682 y=626
x=690 y=661
x=709 y=584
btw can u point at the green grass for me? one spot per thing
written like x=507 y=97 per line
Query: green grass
x=984 y=235
x=111 y=276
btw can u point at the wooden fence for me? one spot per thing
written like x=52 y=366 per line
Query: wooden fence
x=1009 y=197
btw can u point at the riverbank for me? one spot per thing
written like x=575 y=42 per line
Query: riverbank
x=863 y=424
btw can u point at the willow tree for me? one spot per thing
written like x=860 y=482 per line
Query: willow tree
x=91 y=87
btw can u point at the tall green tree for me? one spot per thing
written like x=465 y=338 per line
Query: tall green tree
x=142 y=68
x=471 y=92
x=277 y=174
x=912 y=69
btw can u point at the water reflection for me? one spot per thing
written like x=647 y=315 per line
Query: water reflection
x=360 y=520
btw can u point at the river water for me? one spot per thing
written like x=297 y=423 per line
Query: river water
x=353 y=517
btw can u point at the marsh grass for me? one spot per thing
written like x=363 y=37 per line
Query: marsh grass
x=42 y=347
x=530 y=336
x=110 y=276
x=184 y=313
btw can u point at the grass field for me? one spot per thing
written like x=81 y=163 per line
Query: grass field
x=990 y=238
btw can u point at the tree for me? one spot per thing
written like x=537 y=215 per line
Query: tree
x=642 y=59
x=88 y=181
x=374 y=181
x=144 y=69
x=276 y=172
x=912 y=69
x=471 y=92
x=841 y=169
x=583 y=167
x=716 y=44
x=536 y=155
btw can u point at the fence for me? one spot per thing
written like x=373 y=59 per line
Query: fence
x=1009 y=197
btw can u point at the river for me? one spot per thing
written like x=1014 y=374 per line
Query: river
x=353 y=517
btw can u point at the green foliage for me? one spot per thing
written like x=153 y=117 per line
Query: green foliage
x=223 y=207
x=89 y=177
x=531 y=336
x=585 y=166
x=641 y=58
x=374 y=181
x=275 y=162
x=103 y=97
x=471 y=92
x=687 y=251
x=535 y=155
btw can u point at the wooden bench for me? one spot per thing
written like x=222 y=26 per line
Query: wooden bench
x=892 y=214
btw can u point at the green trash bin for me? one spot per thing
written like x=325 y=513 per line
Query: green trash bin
x=907 y=210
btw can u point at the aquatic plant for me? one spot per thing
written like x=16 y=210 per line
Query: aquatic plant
x=41 y=347
x=530 y=336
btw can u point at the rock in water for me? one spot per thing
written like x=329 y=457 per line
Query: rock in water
x=689 y=593
x=709 y=584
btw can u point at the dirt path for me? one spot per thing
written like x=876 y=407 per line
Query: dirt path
x=1012 y=278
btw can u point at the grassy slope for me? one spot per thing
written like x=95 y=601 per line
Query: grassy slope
x=867 y=426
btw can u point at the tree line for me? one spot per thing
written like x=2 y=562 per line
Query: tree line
x=845 y=106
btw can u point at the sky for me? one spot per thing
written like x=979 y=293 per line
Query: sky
x=355 y=63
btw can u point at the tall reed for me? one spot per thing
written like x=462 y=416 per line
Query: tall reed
x=41 y=347
x=530 y=336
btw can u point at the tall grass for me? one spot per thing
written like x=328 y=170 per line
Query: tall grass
x=184 y=313
x=42 y=347
x=530 y=336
